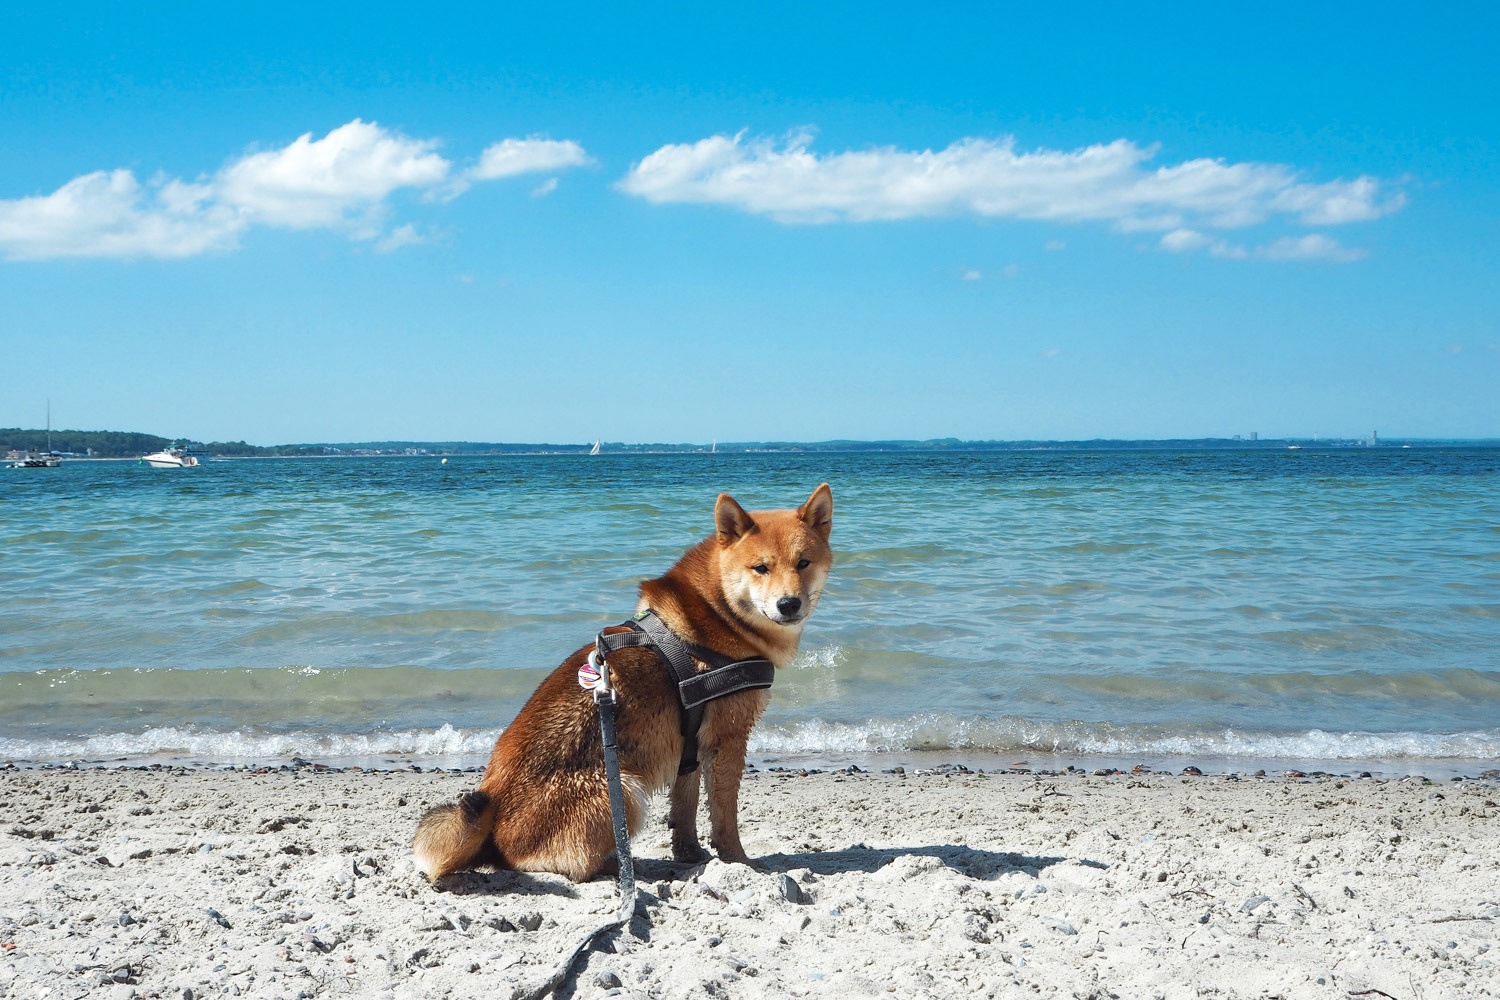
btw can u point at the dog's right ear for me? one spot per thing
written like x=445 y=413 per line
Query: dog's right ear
x=817 y=512
x=730 y=520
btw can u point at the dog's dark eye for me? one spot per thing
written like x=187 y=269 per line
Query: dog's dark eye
x=761 y=568
x=803 y=563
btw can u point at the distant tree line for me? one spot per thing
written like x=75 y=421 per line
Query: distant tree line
x=105 y=444
x=127 y=444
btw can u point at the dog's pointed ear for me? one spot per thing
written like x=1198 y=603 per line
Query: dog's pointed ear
x=730 y=520
x=817 y=513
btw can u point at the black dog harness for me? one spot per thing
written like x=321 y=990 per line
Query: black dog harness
x=694 y=689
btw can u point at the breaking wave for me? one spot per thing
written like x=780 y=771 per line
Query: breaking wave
x=449 y=745
x=1008 y=735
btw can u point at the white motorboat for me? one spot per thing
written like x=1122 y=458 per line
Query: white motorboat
x=169 y=458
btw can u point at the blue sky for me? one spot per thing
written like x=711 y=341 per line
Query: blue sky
x=795 y=222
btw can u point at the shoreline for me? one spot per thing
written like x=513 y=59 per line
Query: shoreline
x=887 y=762
x=151 y=882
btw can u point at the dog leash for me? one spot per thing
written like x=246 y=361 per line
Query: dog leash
x=593 y=676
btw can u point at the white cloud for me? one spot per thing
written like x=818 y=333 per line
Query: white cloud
x=1184 y=241
x=343 y=181
x=545 y=188
x=1227 y=250
x=972 y=275
x=1112 y=182
x=1338 y=203
x=527 y=156
x=316 y=183
x=111 y=215
x=402 y=236
x=1313 y=246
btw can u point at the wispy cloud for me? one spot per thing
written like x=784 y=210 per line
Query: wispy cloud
x=1192 y=241
x=1185 y=241
x=343 y=181
x=1114 y=183
x=1312 y=246
x=527 y=156
x=407 y=235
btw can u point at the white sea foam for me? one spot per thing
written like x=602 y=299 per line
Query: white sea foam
x=810 y=738
x=242 y=745
x=930 y=732
x=821 y=658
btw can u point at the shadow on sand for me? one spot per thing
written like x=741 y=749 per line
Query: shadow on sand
x=505 y=882
x=967 y=861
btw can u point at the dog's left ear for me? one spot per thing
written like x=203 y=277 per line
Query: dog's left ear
x=818 y=511
x=730 y=520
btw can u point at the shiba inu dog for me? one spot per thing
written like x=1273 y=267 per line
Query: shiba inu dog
x=543 y=803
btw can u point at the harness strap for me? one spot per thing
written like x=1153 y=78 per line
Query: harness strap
x=742 y=675
x=694 y=688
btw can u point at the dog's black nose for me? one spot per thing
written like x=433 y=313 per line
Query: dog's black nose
x=789 y=606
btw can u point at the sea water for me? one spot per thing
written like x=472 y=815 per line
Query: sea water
x=1209 y=607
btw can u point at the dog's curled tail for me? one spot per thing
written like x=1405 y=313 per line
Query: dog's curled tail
x=454 y=837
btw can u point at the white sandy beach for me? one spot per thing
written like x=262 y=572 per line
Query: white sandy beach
x=297 y=883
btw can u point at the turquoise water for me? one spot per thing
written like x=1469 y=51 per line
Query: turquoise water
x=1245 y=605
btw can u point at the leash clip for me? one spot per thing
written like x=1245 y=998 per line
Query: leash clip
x=593 y=676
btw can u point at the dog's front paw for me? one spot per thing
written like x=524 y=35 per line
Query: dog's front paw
x=737 y=857
x=691 y=853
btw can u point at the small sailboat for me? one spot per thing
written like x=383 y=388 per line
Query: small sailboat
x=595 y=449
x=33 y=460
x=48 y=459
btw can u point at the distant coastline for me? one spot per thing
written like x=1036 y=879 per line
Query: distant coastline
x=131 y=445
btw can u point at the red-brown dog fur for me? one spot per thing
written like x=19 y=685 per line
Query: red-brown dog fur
x=543 y=803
